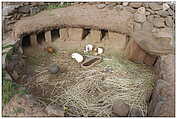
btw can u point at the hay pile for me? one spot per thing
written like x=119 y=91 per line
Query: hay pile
x=92 y=91
x=96 y=89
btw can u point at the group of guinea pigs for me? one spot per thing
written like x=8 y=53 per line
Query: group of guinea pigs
x=78 y=57
x=88 y=48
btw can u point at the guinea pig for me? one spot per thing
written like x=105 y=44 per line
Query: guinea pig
x=79 y=58
x=50 y=50
x=98 y=51
x=88 y=48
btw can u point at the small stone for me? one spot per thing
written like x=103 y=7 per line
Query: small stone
x=119 y=108
x=8 y=17
x=146 y=5
x=148 y=13
x=53 y=69
x=7 y=10
x=137 y=26
x=157 y=16
x=163 y=13
x=151 y=11
x=15 y=75
x=171 y=12
x=165 y=6
x=110 y=6
x=101 y=6
x=119 y=8
x=147 y=26
x=34 y=10
x=55 y=110
x=135 y=4
x=141 y=10
x=155 y=6
x=169 y=21
x=130 y=9
x=4 y=61
x=140 y=18
x=159 y=22
x=24 y=9
x=125 y=3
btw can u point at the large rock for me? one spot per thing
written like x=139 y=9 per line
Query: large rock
x=150 y=18
x=130 y=9
x=165 y=6
x=137 y=26
x=155 y=6
x=119 y=108
x=169 y=21
x=9 y=9
x=149 y=59
x=15 y=66
x=141 y=10
x=125 y=3
x=53 y=69
x=34 y=10
x=156 y=43
x=171 y=12
x=135 y=4
x=24 y=9
x=101 y=6
x=163 y=13
x=134 y=52
x=163 y=98
x=140 y=17
x=159 y=22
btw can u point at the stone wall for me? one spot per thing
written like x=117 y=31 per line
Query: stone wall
x=13 y=11
x=152 y=36
x=163 y=97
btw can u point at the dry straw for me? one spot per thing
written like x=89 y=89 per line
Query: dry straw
x=95 y=91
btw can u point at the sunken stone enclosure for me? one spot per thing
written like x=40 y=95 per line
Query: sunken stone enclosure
x=141 y=32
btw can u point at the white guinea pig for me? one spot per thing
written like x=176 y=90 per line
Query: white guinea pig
x=100 y=50
x=79 y=58
x=88 y=48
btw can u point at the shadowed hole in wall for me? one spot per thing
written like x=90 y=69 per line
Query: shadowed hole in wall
x=55 y=33
x=104 y=34
x=40 y=37
x=86 y=32
x=26 y=41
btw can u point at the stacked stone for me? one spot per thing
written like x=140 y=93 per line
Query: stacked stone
x=13 y=11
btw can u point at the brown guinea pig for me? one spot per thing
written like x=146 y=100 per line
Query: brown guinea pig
x=98 y=51
x=50 y=50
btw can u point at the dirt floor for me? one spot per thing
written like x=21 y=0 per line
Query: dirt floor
x=86 y=91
